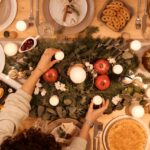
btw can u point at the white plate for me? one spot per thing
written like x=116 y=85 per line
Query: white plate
x=8 y=10
x=57 y=8
x=120 y=118
x=74 y=29
x=2 y=59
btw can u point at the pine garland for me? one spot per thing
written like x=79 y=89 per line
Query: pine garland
x=74 y=102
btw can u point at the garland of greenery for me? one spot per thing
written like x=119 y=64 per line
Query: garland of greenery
x=74 y=102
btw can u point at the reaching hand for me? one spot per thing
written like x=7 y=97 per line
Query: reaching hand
x=45 y=62
x=94 y=114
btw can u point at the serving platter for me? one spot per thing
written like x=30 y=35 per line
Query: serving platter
x=71 y=29
x=8 y=10
x=115 y=120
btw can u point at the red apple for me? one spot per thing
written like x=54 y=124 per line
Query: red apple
x=102 y=82
x=51 y=75
x=101 y=66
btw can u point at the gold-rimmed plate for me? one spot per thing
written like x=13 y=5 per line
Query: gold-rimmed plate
x=8 y=10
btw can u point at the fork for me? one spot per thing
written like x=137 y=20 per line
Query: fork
x=31 y=17
x=100 y=129
x=138 y=21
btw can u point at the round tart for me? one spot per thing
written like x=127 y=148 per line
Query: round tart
x=146 y=60
x=126 y=134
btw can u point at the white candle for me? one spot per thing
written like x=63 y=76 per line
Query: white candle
x=77 y=74
x=10 y=49
x=137 y=111
x=59 y=55
x=135 y=45
x=21 y=25
x=147 y=92
x=117 y=69
x=54 y=100
x=97 y=100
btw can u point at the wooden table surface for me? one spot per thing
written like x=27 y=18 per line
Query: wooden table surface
x=24 y=9
x=23 y=13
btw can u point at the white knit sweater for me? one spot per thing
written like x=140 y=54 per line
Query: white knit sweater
x=15 y=110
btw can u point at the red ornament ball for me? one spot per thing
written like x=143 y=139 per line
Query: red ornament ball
x=102 y=82
x=51 y=76
x=102 y=66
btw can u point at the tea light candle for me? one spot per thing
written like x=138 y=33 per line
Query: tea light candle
x=117 y=69
x=54 y=100
x=135 y=45
x=77 y=74
x=137 y=111
x=59 y=55
x=10 y=49
x=21 y=25
x=97 y=100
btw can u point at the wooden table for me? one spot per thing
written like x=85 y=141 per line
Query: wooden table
x=24 y=9
x=23 y=13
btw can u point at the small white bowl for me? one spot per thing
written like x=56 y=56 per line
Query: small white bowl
x=33 y=46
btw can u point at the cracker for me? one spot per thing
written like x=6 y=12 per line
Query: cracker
x=118 y=3
x=110 y=25
x=125 y=12
x=106 y=18
x=109 y=12
x=114 y=7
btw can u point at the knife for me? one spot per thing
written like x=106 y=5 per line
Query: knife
x=100 y=129
x=95 y=128
x=144 y=18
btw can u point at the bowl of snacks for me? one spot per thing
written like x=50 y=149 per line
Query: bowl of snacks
x=115 y=15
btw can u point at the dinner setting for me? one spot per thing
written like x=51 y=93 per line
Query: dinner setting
x=75 y=75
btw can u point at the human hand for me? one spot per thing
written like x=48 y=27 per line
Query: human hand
x=45 y=62
x=93 y=114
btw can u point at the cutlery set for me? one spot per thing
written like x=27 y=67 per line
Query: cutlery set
x=141 y=23
x=97 y=130
x=34 y=20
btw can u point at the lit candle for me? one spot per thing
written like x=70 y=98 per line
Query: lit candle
x=10 y=49
x=77 y=74
x=59 y=55
x=137 y=110
x=21 y=25
x=117 y=69
x=54 y=100
x=135 y=45
x=97 y=100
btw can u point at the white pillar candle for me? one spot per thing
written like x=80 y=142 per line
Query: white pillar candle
x=54 y=100
x=21 y=25
x=135 y=45
x=97 y=100
x=117 y=69
x=77 y=74
x=10 y=49
x=137 y=111
x=147 y=92
x=59 y=55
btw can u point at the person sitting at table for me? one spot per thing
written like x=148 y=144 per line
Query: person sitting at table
x=16 y=109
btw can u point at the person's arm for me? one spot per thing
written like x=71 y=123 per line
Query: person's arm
x=17 y=105
x=44 y=64
x=79 y=143
x=91 y=117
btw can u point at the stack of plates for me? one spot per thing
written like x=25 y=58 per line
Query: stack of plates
x=8 y=9
x=54 y=11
